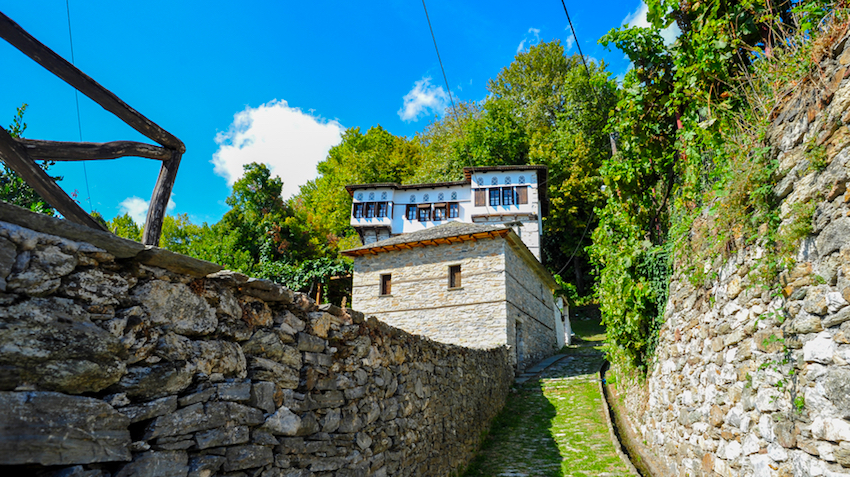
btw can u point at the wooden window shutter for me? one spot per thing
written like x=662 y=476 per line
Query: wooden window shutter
x=480 y=197
x=386 y=284
x=454 y=276
x=522 y=195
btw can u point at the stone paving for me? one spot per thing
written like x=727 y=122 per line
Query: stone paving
x=553 y=424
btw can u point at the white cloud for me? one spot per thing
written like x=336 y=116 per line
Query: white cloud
x=138 y=208
x=571 y=40
x=532 y=37
x=288 y=140
x=422 y=98
x=638 y=19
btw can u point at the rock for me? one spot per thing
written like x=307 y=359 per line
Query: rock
x=820 y=349
x=806 y=323
x=836 y=319
x=267 y=370
x=8 y=254
x=176 y=307
x=158 y=380
x=225 y=436
x=50 y=342
x=157 y=464
x=96 y=287
x=311 y=343
x=219 y=356
x=834 y=236
x=50 y=428
x=263 y=396
x=816 y=301
x=283 y=422
x=268 y=344
x=842 y=455
x=837 y=390
x=255 y=312
x=247 y=456
x=234 y=391
x=177 y=263
x=38 y=271
x=267 y=290
x=205 y=465
x=200 y=417
x=785 y=434
x=150 y=410
x=835 y=430
x=78 y=471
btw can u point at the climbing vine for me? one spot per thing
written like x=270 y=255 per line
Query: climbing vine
x=694 y=174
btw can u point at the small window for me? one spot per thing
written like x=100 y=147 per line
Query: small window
x=382 y=209
x=480 y=195
x=454 y=276
x=480 y=181
x=424 y=214
x=494 y=181
x=522 y=179
x=522 y=195
x=370 y=210
x=507 y=181
x=425 y=198
x=383 y=196
x=454 y=195
x=440 y=196
x=439 y=214
x=386 y=284
x=507 y=196
x=358 y=211
x=495 y=195
x=371 y=196
x=410 y=213
x=454 y=211
x=360 y=196
x=412 y=199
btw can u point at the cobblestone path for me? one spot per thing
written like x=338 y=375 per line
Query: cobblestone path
x=553 y=425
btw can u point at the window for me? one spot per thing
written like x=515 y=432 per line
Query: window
x=454 y=195
x=454 y=276
x=494 y=181
x=495 y=194
x=425 y=198
x=424 y=214
x=370 y=210
x=439 y=213
x=480 y=197
x=382 y=209
x=522 y=179
x=454 y=211
x=412 y=199
x=440 y=196
x=410 y=213
x=522 y=195
x=358 y=211
x=507 y=181
x=386 y=284
x=507 y=196
x=383 y=196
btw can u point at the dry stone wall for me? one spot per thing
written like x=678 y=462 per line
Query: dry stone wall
x=113 y=367
x=756 y=382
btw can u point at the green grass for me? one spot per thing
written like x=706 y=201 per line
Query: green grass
x=555 y=426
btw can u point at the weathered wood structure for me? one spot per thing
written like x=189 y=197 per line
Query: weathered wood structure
x=20 y=154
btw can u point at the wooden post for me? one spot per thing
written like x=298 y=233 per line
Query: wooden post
x=41 y=54
x=16 y=157
x=159 y=199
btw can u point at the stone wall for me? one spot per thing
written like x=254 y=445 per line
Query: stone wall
x=113 y=364
x=530 y=304
x=750 y=382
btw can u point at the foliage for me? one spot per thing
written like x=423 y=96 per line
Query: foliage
x=13 y=189
x=691 y=122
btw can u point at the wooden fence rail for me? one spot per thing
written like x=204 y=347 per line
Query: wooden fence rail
x=20 y=154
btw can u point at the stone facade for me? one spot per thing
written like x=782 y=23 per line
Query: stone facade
x=752 y=383
x=115 y=367
x=499 y=289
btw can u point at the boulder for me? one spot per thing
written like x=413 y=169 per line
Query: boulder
x=50 y=428
x=176 y=307
x=52 y=343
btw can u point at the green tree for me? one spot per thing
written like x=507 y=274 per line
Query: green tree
x=13 y=189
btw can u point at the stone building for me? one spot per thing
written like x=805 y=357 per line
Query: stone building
x=473 y=285
x=504 y=195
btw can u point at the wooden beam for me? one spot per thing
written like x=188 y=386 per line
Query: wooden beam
x=15 y=156
x=159 y=199
x=20 y=39
x=84 y=151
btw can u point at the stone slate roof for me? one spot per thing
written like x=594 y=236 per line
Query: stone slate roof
x=449 y=229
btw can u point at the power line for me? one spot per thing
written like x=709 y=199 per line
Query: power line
x=445 y=79
x=77 y=99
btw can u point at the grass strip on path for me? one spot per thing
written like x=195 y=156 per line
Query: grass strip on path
x=554 y=425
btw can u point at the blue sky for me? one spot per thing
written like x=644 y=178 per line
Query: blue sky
x=272 y=82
